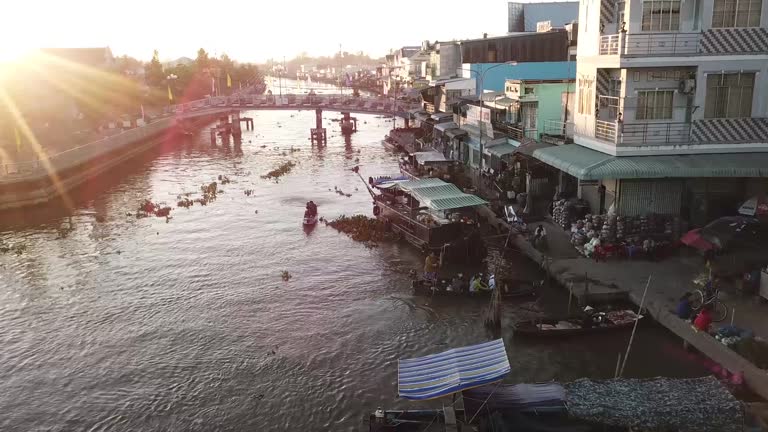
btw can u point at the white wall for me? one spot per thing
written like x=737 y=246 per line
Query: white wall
x=723 y=63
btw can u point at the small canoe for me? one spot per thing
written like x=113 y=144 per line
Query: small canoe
x=573 y=326
x=312 y=220
x=510 y=288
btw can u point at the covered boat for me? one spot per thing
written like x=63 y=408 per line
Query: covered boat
x=510 y=288
x=428 y=213
x=428 y=164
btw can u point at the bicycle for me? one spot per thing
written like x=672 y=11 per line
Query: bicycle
x=703 y=297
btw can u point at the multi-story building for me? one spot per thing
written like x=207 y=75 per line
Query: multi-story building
x=524 y=17
x=671 y=104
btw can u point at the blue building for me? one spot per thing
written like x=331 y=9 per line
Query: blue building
x=492 y=76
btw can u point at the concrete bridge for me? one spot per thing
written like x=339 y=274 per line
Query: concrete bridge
x=326 y=102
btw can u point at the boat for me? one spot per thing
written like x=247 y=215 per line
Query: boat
x=510 y=288
x=412 y=420
x=430 y=213
x=310 y=220
x=575 y=325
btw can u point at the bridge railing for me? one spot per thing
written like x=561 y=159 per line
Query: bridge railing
x=77 y=155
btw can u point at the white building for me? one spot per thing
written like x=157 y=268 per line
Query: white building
x=671 y=112
x=682 y=77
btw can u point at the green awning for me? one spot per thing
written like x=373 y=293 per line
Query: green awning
x=571 y=158
x=587 y=164
x=439 y=195
x=501 y=149
x=700 y=165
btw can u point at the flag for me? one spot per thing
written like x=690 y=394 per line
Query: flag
x=18 y=139
x=170 y=94
x=229 y=81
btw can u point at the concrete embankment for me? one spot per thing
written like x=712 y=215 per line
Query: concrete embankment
x=628 y=279
x=45 y=180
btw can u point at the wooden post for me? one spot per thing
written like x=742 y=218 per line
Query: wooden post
x=570 y=297
x=618 y=363
x=634 y=329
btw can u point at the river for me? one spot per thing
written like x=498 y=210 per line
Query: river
x=126 y=324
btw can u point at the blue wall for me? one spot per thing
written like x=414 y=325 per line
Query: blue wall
x=495 y=78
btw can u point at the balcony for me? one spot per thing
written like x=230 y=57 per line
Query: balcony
x=514 y=131
x=637 y=134
x=557 y=132
x=650 y=44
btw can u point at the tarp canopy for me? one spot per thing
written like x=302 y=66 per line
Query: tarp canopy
x=453 y=133
x=686 y=405
x=520 y=397
x=588 y=164
x=452 y=371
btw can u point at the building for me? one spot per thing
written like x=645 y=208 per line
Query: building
x=537 y=107
x=524 y=17
x=671 y=106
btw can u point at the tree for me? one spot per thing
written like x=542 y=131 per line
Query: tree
x=153 y=71
x=202 y=62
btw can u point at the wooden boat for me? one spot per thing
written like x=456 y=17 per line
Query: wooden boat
x=510 y=288
x=575 y=325
x=310 y=220
x=413 y=420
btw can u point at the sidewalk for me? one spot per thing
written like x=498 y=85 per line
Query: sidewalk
x=670 y=279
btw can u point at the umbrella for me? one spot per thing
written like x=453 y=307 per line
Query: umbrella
x=755 y=206
x=694 y=239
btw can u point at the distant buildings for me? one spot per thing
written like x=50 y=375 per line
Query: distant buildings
x=524 y=17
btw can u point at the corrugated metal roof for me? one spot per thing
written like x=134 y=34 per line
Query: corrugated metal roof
x=442 y=127
x=502 y=149
x=588 y=164
x=430 y=156
x=439 y=195
x=572 y=158
x=701 y=165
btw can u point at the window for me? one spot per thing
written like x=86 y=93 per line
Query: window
x=585 y=96
x=654 y=105
x=729 y=95
x=736 y=13
x=661 y=15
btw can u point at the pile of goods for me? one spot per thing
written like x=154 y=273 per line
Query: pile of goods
x=566 y=212
x=362 y=228
x=596 y=230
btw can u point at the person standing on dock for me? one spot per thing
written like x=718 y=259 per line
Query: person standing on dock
x=431 y=265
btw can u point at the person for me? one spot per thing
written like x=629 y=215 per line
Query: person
x=312 y=207
x=457 y=283
x=539 y=236
x=704 y=319
x=431 y=265
x=477 y=284
x=684 y=309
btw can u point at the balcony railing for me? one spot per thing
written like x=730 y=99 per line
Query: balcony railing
x=642 y=133
x=605 y=130
x=650 y=44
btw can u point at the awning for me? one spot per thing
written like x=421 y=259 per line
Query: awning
x=453 y=133
x=441 y=116
x=505 y=101
x=442 y=127
x=421 y=116
x=501 y=149
x=528 y=147
x=537 y=398
x=571 y=158
x=587 y=164
x=449 y=372
x=439 y=195
x=429 y=156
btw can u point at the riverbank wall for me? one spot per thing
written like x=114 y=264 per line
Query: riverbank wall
x=38 y=182
x=588 y=280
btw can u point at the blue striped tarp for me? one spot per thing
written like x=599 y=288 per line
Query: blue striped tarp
x=452 y=371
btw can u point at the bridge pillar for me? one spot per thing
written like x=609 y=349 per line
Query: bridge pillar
x=318 y=134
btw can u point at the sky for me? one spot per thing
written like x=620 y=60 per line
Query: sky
x=247 y=30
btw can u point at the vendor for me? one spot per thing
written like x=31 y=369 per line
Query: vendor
x=684 y=310
x=431 y=264
x=703 y=320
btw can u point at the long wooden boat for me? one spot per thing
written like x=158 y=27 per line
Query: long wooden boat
x=510 y=288
x=413 y=420
x=574 y=326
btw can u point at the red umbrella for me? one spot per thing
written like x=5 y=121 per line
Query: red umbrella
x=694 y=239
